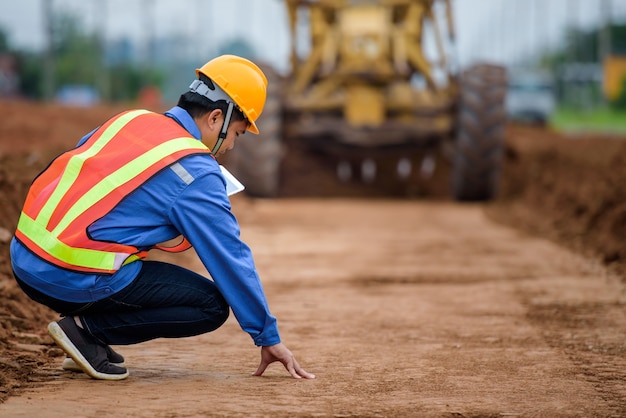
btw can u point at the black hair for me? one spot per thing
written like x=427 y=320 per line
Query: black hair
x=197 y=105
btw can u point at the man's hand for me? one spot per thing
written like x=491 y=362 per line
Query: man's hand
x=280 y=352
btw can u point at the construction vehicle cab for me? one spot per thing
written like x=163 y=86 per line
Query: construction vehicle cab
x=378 y=78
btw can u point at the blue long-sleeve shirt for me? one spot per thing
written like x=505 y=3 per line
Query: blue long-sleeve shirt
x=194 y=205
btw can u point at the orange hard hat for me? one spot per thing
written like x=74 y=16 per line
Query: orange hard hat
x=243 y=81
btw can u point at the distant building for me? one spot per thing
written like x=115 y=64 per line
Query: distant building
x=9 y=81
x=580 y=84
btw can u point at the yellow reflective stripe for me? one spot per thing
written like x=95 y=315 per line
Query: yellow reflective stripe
x=76 y=162
x=130 y=259
x=80 y=257
x=124 y=174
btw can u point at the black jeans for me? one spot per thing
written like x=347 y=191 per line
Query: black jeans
x=164 y=300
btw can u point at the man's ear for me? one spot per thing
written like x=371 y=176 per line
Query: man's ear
x=213 y=119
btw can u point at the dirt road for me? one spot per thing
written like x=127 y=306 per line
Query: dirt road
x=401 y=308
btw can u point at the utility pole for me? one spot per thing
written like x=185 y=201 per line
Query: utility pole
x=520 y=31
x=148 y=27
x=575 y=27
x=49 y=64
x=541 y=21
x=604 y=38
x=503 y=36
x=204 y=30
x=102 y=75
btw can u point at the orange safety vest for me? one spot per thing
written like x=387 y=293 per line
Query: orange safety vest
x=84 y=184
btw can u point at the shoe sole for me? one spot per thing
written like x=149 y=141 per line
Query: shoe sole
x=59 y=336
x=70 y=365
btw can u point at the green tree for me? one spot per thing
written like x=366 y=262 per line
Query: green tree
x=29 y=72
x=76 y=53
x=79 y=59
x=27 y=66
x=128 y=79
x=4 y=41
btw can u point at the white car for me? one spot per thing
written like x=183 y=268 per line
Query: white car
x=530 y=96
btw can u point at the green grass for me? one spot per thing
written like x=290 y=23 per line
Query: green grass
x=596 y=120
x=603 y=120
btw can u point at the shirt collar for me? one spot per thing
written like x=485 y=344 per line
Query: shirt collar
x=185 y=120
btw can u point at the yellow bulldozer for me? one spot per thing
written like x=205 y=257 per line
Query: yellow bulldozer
x=373 y=81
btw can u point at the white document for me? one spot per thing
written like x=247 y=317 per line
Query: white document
x=232 y=184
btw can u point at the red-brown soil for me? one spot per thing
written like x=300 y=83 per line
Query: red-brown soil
x=403 y=306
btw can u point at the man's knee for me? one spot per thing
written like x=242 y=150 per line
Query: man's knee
x=223 y=311
x=218 y=312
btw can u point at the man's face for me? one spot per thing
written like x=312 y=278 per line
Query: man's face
x=210 y=127
x=234 y=130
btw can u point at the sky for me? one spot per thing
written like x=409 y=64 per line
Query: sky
x=498 y=30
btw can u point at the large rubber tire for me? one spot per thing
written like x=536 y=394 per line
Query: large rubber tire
x=256 y=159
x=477 y=160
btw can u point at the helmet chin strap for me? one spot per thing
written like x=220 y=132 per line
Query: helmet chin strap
x=224 y=130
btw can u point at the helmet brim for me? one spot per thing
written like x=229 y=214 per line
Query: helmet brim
x=253 y=128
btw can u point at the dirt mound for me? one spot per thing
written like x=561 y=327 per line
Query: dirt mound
x=569 y=189
x=30 y=135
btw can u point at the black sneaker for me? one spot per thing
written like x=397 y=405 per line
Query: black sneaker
x=90 y=356
x=114 y=358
